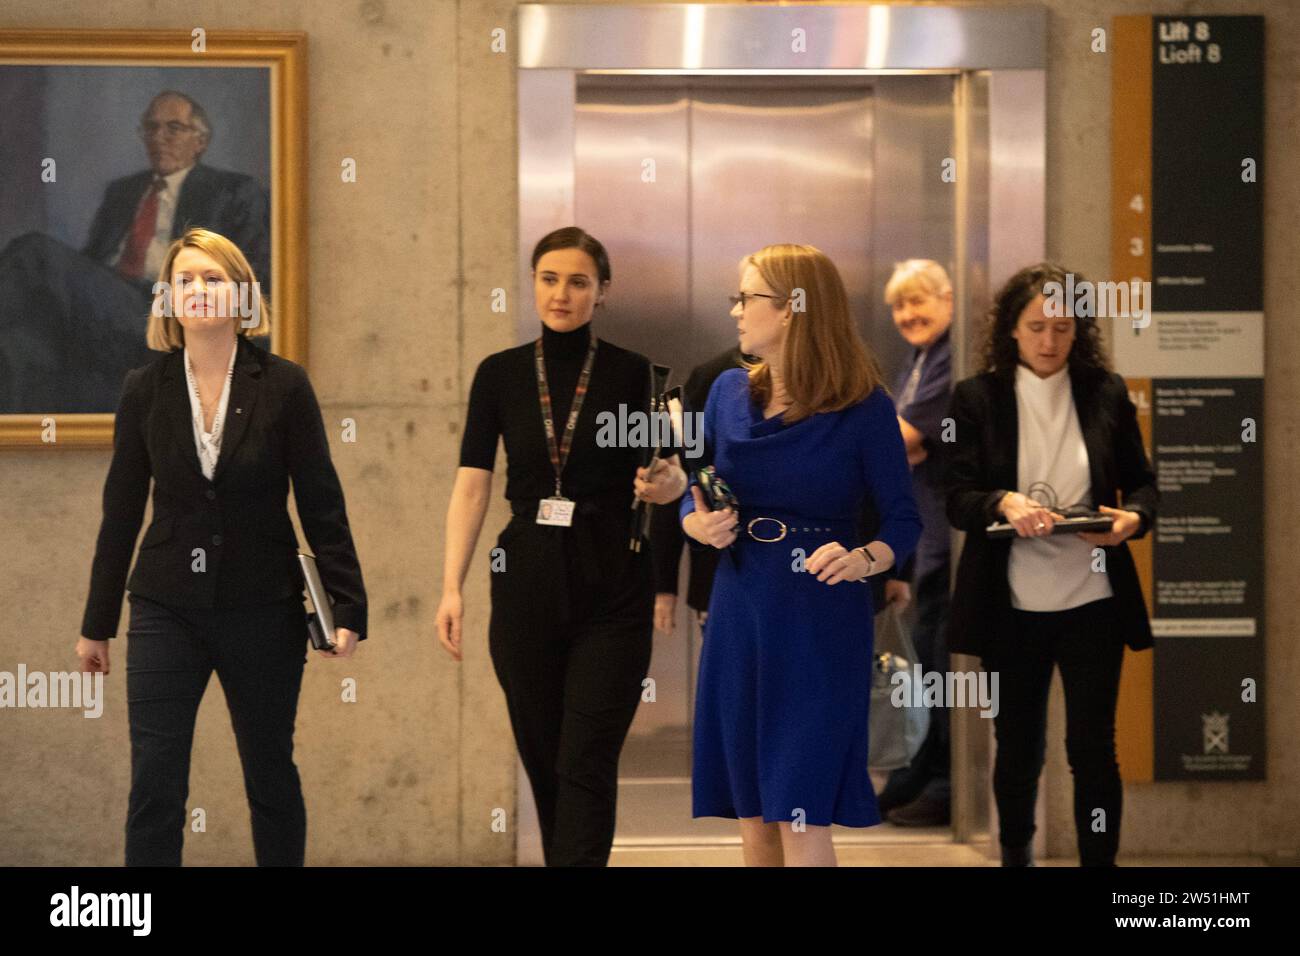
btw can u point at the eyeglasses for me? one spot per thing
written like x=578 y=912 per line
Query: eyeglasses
x=741 y=298
x=169 y=130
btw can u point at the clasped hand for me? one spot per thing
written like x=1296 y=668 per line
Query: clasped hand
x=1031 y=519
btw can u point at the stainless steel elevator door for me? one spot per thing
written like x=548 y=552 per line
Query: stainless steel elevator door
x=774 y=166
x=679 y=181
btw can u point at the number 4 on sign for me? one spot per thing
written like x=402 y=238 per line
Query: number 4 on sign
x=1136 y=203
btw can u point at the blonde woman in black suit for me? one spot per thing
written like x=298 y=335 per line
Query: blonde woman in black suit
x=222 y=428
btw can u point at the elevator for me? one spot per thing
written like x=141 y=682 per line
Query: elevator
x=685 y=137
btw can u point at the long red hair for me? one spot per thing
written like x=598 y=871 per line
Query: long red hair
x=825 y=364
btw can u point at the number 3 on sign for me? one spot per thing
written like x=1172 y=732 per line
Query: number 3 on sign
x=1135 y=246
x=1136 y=203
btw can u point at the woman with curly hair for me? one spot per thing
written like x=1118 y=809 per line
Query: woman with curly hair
x=1045 y=426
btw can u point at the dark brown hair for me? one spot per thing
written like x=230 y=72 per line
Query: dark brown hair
x=1002 y=353
x=571 y=237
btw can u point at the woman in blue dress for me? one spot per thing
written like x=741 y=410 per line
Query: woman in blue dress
x=801 y=437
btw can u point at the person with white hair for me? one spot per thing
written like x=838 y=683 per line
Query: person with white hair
x=919 y=293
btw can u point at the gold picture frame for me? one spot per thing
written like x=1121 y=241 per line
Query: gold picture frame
x=284 y=55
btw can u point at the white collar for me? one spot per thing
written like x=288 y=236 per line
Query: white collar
x=173 y=181
x=1058 y=381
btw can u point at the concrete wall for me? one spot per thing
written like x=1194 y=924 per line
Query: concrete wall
x=402 y=264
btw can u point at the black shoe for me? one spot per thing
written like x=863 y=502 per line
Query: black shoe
x=924 y=811
x=903 y=786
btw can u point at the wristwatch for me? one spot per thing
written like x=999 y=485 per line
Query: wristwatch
x=871 y=561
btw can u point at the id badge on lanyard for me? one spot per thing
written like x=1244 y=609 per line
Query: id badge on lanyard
x=557 y=510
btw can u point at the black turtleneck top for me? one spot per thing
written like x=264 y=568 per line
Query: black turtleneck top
x=503 y=401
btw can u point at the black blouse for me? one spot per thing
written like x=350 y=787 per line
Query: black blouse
x=503 y=401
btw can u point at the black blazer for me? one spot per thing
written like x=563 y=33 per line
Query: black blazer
x=230 y=203
x=981 y=467
x=273 y=433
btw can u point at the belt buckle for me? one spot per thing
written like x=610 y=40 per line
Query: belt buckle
x=750 y=529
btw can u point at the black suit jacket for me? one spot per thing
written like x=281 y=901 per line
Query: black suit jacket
x=273 y=434
x=230 y=203
x=981 y=467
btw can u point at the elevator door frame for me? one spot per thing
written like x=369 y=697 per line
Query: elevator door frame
x=998 y=56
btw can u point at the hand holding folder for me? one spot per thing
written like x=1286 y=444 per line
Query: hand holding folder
x=1073 y=519
x=320 y=621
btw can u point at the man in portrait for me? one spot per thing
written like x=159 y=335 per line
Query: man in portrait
x=72 y=322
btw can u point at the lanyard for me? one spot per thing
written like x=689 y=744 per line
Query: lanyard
x=561 y=454
x=913 y=381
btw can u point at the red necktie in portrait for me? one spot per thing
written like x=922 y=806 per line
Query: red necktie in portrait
x=131 y=265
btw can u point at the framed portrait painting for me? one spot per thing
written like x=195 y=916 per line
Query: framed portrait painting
x=112 y=144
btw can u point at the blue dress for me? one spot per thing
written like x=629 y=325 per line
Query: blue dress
x=785 y=672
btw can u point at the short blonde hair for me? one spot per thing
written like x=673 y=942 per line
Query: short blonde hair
x=825 y=364
x=916 y=275
x=165 y=333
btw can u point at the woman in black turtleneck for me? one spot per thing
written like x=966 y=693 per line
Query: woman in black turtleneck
x=572 y=606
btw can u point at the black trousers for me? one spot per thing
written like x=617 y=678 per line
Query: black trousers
x=258 y=654
x=570 y=638
x=1083 y=642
